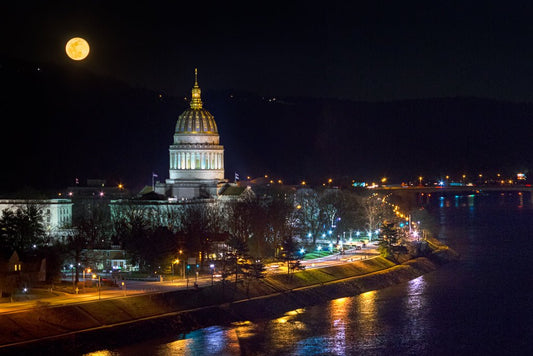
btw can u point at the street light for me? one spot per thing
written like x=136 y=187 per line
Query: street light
x=212 y=273
x=175 y=262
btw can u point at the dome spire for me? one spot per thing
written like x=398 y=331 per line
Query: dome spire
x=196 y=101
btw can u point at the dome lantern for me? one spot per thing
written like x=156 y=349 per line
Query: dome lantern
x=196 y=92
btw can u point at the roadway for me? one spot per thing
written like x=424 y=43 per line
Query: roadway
x=47 y=298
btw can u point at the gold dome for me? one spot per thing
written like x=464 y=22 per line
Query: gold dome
x=196 y=119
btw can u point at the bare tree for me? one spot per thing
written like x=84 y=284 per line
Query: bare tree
x=375 y=211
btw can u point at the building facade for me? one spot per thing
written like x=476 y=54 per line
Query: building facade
x=57 y=213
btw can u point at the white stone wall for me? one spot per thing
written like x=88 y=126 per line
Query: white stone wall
x=57 y=213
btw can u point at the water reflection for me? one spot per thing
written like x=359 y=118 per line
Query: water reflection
x=285 y=330
x=339 y=311
x=101 y=353
x=415 y=308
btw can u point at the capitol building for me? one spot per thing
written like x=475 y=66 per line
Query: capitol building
x=196 y=168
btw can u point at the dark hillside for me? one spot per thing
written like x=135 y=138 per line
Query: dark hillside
x=60 y=124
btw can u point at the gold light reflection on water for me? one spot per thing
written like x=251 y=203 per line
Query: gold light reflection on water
x=178 y=347
x=213 y=340
x=101 y=353
x=367 y=303
x=339 y=316
x=367 y=313
x=244 y=329
x=286 y=329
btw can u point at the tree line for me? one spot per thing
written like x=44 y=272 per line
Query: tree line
x=238 y=235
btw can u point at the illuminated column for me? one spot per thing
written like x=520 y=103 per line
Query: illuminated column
x=202 y=160
x=178 y=163
x=175 y=160
x=188 y=160
x=182 y=160
x=171 y=161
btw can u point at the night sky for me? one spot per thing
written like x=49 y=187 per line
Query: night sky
x=366 y=52
x=361 y=50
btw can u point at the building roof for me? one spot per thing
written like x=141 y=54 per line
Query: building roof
x=231 y=190
x=196 y=119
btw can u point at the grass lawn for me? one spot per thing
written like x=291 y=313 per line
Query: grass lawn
x=317 y=254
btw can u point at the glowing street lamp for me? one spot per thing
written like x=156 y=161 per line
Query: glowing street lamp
x=175 y=262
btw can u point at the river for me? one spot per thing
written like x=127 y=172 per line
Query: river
x=479 y=305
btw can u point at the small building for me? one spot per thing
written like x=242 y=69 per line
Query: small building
x=109 y=260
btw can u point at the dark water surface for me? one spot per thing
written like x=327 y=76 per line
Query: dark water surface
x=479 y=305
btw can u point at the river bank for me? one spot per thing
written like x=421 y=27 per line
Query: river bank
x=74 y=328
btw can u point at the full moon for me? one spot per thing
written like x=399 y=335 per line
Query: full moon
x=77 y=48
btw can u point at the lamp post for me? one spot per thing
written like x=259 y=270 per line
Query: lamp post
x=99 y=287
x=212 y=273
x=175 y=262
